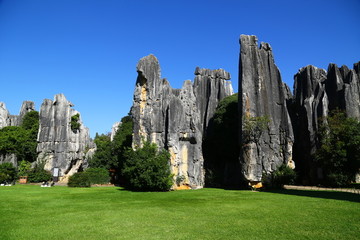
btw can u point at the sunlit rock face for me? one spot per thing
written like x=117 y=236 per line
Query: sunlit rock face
x=14 y=120
x=316 y=93
x=175 y=119
x=58 y=144
x=262 y=93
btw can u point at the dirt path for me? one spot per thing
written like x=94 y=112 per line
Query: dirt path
x=350 y=190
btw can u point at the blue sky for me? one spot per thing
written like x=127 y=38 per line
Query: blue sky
x=88 y=49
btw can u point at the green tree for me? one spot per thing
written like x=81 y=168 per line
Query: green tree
x=7 y=172
x=339 y=151
x=122 y=139
x=22 y=140
x=220 y=145
x=103 y=157
x=147 y=169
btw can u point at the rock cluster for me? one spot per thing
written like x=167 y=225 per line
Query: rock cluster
x=316 y=93
x=176 y=119
x=14 y=120
x=263 y=94
x=294 y=120
x=58 y=144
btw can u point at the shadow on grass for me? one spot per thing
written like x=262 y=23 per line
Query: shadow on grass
x=343 y=196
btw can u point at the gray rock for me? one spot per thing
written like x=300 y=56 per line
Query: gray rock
x=262 y=93
x=4 y=116
x=175 y=119
x=114 y=129
x=11 y=158
x=210 y=87
x=316 y=93
x=14 y=120
x=58 y=145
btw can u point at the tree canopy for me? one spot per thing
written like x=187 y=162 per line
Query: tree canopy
x=339 y=151
x=21 y=140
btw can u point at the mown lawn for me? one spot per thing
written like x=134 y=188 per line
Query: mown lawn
x=32 y=212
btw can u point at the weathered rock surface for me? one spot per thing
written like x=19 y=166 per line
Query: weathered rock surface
x=316 y=93
x=4 y=116
x=262 y=93
x=114 y=129
x=59 y=145
x=175 y=119
x=14 y=120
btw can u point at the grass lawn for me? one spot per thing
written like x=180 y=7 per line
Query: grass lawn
x=32 y=212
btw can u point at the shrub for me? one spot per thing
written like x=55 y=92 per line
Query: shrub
x=97 y=175
x=39 y=174
x=146 y=169
x=24 y=168
x=282 y=176
x=7 y=172
x=74 y=123
x=79 y=179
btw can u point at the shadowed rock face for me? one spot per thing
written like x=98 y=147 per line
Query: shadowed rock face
x=59 y=145
x=316 y=93
x=262 y=93
x=175 y=119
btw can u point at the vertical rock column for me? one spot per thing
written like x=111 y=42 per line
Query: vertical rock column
x=59 y=145
x=262 y=93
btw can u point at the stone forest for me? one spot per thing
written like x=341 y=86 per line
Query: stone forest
x=264 y=126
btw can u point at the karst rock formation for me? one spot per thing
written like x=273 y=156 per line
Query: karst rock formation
x=176 y=119
x=263 y=94
x=58 y=144
x=294 y=120
x=317 y=92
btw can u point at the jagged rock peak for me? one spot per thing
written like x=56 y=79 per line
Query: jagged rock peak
x=218 y=73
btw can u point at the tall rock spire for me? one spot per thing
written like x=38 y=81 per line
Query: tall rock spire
x=263 y=94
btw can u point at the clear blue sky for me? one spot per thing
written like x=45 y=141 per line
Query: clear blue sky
x=88 y=49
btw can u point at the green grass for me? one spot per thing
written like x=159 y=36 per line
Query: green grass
x=31 y=212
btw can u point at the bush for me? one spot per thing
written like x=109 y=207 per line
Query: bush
x=39 y=174
x=146 y=169
x=80 y=179
x=75 y=122
x=98 y=175
x=24 y=168
x=282 y=176
x=7 y=172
